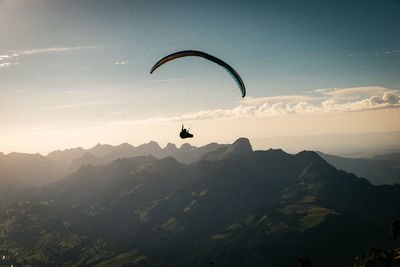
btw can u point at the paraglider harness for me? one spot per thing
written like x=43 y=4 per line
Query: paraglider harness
x=185 y=133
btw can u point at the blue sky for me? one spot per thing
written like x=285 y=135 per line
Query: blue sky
x=75 y=66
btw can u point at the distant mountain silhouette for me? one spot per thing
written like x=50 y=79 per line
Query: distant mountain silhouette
x=170 y=149
x=185 y=154
x=100 y=150
x=389 y=157
x=27 y=169
x=107 y=153
x=20 y=170
x=87 y=159
x=381 y=169
x=66 y=156
x=235 y=206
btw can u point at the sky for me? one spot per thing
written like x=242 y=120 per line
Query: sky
x=76 y=73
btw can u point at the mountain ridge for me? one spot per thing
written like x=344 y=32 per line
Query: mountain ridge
x=61 y=163
x=247 y=208
x=382 y=169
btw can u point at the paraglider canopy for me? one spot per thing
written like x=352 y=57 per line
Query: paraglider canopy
x=186 y=53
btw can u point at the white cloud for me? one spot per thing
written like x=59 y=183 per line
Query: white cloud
x=321 y=90
x=10 y=60
x=389 y=99
x=340 y=94
x=124 y=62
x=387 y=52
x=13 y=57
x=5 y=65
x=73 y=106
x=169 y=80
x=390 y=52
x=284 y=98
x=4 y=57
x=355 y=92
x=119 y=112
x=52 y=49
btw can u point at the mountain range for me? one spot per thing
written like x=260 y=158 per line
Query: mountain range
x=379 y=170
x=41 y=170
x=232 y=205
x=21 y=170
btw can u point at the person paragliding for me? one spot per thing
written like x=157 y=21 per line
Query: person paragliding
x=185 y=133
x=189 y=53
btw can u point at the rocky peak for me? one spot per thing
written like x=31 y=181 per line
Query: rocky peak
x=239 y=147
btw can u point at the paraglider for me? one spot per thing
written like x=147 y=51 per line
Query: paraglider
x=187 y=53
x=185 y=133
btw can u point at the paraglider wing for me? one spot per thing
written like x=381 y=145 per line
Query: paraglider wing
x=187 y=53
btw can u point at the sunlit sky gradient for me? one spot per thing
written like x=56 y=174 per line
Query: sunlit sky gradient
x=76 y=73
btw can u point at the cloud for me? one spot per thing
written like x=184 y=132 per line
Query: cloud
x=321 y=90
x=121 y=63
x=388 y=100
x=355 y=92
x=390 y=52
x=284 y=98
x=125 y=62
x=352 y=93
x=119 y=112
x=68 y=106
x=358 y=55
x=4 y=57
x=8 y=60
x=13 y=56
x=5 y=65
x=387 y=52
x=73 y=106
x=342 y=94
x=52 y=50
x=169 y=80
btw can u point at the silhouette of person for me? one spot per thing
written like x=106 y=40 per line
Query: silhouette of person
x=185 y=133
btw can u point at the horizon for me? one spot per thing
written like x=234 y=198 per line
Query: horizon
x=77 y=74
x=289 y=144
